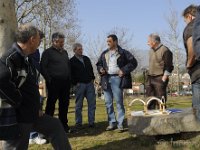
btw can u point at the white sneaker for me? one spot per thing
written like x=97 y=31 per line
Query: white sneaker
x=37 y=140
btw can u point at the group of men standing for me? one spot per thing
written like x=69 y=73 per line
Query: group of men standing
x=114 y=66
x=19 y=94
x=60 y=72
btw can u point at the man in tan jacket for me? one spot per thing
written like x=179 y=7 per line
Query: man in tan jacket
x=160 y=68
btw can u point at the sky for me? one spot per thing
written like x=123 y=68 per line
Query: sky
x=139 y=17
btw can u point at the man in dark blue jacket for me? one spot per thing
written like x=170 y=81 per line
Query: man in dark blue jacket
x=20 y=98
x=115 y=65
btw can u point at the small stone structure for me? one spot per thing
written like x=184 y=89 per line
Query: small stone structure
x=160 y=122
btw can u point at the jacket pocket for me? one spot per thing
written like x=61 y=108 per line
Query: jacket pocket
x=9 y=128
x=126 y=82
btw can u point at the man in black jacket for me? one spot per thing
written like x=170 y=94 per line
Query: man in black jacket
x=196 y=34
x=19 y=90
x=115 y=65
x=83 y=77
x=192 y=59
x=55 y=68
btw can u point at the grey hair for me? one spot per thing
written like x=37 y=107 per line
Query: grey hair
x=57 y=35
x=155 y=37
x=75 y=45
x=25 y=32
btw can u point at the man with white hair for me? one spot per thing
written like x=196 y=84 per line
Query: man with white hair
x=160 y=68
x=82 y=78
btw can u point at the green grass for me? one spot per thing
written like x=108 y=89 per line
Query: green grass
x=98 y=139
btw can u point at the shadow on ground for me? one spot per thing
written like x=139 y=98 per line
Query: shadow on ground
x=161 y=142
x=100 y=127
x=127 y=144
x=86 y=131
x=178 y=136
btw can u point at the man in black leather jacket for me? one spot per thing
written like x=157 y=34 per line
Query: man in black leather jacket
x=20 y=99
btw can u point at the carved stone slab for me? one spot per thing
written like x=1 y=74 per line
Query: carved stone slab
x=184 y=121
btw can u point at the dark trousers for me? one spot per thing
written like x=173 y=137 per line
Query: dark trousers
x=58 y=89
x=156 y=87
x=47 y=125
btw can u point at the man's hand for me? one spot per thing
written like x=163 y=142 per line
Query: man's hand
x=121 y=74
x=102 y=71
x=164 y=78
x=191 y=56
x=41 y=113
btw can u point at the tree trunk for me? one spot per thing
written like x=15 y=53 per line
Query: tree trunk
x=8 y=24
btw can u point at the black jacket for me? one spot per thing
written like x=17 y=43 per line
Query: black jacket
x=18 y=88
x=55 y=64
x=126 y=62
x=81 y=73
x=196 y=34
x=193 y=71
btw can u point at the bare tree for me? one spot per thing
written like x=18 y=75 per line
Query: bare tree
x=173 y=39
x=50 y=16
x=8 y=24
x=95 y=47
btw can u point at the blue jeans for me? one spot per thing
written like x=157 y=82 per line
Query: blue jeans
x=88 y=91
x=196 y=97
x=114 y=91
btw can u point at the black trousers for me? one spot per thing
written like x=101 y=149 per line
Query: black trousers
x=47 y=125
x=58 y=90
x=156 y=87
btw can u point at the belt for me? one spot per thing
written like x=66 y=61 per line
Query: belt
x=111 y=75
x=154 y=76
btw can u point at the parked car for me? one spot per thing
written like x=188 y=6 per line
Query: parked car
x=182 y=93
x=188 y=93
x=174 y=94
